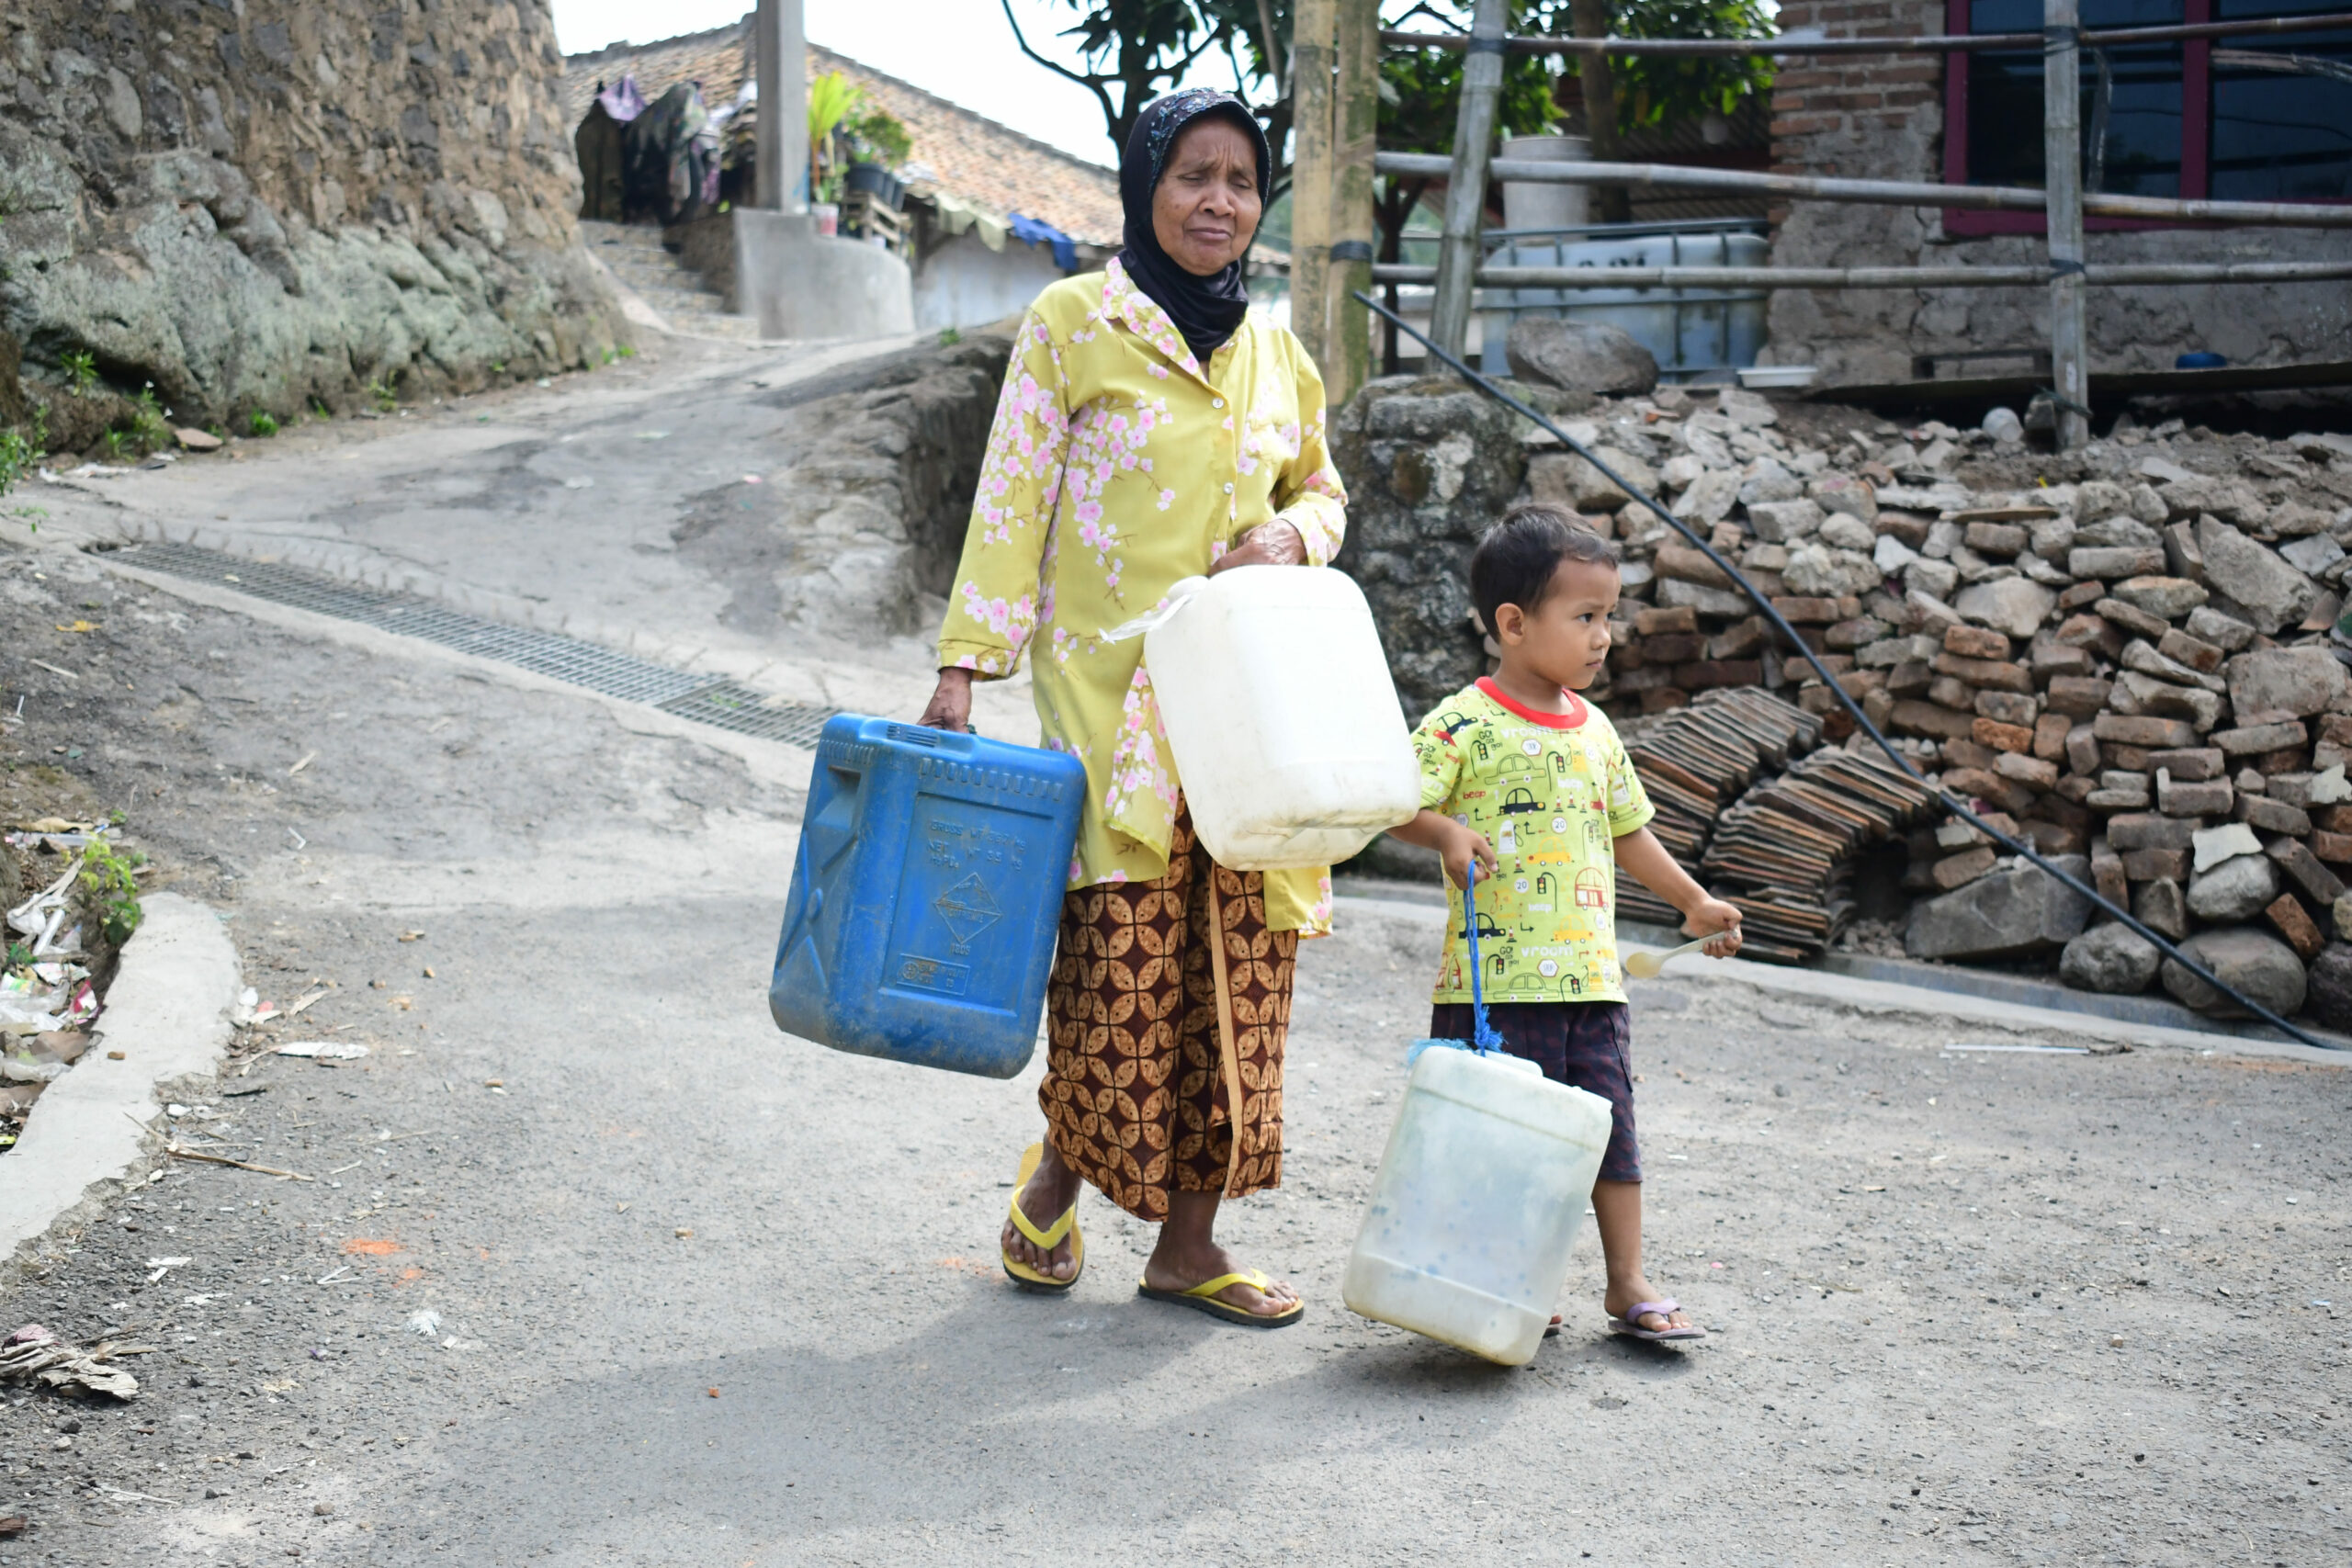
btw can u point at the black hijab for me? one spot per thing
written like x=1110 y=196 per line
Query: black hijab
x=1207 y=311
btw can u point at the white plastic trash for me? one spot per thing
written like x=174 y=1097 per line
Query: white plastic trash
x=1480 y=1194
x=1288 y=737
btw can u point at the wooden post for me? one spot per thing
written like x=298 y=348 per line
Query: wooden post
x=2061 y=111
x=1312 y=28
x=1356 y=126
x=1598 y=81
x=1466 y=192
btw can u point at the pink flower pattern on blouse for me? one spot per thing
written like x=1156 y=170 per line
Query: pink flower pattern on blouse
x=1113 y=439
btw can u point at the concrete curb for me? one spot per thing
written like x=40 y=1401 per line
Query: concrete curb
x=1905 y=995
x=167 y=1012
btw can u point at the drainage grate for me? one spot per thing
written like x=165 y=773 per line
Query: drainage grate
x=747 y=712
x=707 y=699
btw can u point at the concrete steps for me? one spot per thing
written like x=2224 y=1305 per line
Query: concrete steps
x=637 y=258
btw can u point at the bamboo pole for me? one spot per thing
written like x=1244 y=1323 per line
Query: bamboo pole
x=1313 y=25
x=1767 y=277
x=1465 y=173
x=1890 y=193
x=1355 y=117
x=1930 y=43
x=2062 y=142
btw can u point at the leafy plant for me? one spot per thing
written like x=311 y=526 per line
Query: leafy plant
x=262 y=423
x=17 y=458
x=319 y=409
x=1654 y=89
x=111 y=889
x=381 y=390
x=949 y=337
x=832 y=98
x=150 y=427
x=876 y=136
x=19 y=956
x=81 y=369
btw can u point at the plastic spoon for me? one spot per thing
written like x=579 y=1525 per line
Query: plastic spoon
x=1645 y=965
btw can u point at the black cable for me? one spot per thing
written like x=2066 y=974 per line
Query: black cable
x=1788 y=634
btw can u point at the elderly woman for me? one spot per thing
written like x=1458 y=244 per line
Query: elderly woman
x=1151 y=430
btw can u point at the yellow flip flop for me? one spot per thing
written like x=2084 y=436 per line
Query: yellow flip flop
x=1203 y=1298
x=1020 y=1273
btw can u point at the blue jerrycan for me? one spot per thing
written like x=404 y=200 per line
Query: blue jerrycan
x=926 y=895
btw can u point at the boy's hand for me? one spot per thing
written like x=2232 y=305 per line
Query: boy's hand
x=1461 y=844
x=1714 y=915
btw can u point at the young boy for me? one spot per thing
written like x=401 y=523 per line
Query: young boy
x=1520 y=775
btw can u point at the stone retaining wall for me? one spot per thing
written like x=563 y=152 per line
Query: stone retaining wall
x=253 y=205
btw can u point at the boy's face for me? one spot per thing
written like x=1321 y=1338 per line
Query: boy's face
x=1566 y=640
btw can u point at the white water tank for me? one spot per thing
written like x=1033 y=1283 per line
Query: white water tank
x=1532 y=204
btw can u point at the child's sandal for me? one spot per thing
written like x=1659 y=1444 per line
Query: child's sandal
x=1631 y=1326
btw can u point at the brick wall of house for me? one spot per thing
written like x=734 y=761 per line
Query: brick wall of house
x=1881 y=117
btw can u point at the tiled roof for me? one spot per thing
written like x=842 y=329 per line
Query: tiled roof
x=972 y=158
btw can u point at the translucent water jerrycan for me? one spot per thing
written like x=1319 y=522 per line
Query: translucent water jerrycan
x=1480 y=1192
x=927 y=895
x=1475 y=1209
x=1288 y=737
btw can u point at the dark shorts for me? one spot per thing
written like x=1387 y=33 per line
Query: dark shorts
x=1587 y=1045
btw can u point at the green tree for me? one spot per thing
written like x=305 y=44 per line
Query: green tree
x=1133 y=50
x=1656 y=90
x=1623 y=91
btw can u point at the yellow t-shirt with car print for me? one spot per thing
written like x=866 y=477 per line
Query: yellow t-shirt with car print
x=1552 y=792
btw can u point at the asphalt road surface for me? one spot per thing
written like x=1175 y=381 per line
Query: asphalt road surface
x=597 y=1268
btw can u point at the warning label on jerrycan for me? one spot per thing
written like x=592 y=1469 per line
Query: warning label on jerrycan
x=953 y=934
x=967 y=910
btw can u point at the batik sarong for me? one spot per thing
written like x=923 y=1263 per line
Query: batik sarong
x=1165 y=1020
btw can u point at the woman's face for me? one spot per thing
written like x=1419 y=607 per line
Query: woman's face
x=1206 y=205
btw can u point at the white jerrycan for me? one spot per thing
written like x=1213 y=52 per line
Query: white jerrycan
x=1480 y=1193
x=1287 y=735
x=1476 y=1205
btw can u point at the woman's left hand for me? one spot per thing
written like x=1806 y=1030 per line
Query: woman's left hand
x=1275 y=542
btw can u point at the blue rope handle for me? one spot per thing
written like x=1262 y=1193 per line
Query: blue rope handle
x=1483 y=1037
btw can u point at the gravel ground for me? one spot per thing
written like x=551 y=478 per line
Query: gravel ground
x=700 y=1294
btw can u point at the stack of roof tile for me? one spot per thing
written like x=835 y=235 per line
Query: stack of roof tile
x=1783 y=849
x=1785 y=852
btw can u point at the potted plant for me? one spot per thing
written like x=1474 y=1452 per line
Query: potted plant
x=832 y=97
x=875 y=144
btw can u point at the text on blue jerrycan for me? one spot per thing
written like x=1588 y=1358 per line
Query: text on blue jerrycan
x=926 y=895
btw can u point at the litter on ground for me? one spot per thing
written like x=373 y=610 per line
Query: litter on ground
x=32 y=1354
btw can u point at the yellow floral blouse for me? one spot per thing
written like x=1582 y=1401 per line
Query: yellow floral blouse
x=1117 y=466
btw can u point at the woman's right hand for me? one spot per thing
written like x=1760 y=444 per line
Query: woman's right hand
x=951 y=702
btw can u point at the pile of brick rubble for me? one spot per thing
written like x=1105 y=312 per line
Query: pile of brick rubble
x=2126 y=655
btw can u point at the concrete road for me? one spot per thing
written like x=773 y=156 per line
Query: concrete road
x=597 y=1268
